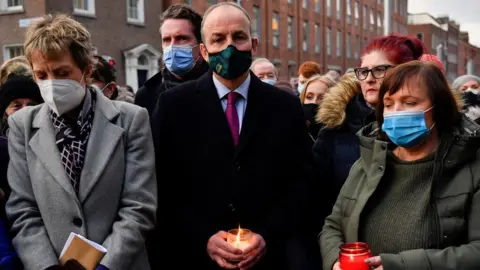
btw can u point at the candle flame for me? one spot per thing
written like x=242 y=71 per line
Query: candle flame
x=237 y=238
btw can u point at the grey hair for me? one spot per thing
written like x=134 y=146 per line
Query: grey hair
x=263 y=60
x=232 y=4
x=464 y=79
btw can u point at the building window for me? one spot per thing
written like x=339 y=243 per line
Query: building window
x=290 y=32
x=365 y=17
x=379 y=22
x=318 y=39
x=339 y=9
x=305 y=36
x=339 y=43
x=365 y=43
x=357 y=15
x=292 y=70
x=349 y=46
x=11 y=6
x=305 y=4
x=349 y=11
x=256 y=22
x=211 y=2
x=135 y=11
x=372 y=20
x=357 y=47
x=329 y=8
x=329 y=41
x=276 y=29
x=188 y=2
x=317 y=6
x=290 y=2
x=84 y=7
x=11 y=51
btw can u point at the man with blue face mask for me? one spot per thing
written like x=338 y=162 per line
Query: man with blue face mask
x=265 y=70
x=182 y=62
x=231 y=150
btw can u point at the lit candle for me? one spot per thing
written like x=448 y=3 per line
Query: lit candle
x=239 y=238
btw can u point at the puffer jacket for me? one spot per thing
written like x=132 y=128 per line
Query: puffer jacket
x=456 y=194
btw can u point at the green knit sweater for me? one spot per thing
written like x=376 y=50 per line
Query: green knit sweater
x=399 y=215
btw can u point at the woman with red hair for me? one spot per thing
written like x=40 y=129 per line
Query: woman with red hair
x=350 y=105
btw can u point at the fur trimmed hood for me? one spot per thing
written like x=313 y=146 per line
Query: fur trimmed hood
x=332 y=111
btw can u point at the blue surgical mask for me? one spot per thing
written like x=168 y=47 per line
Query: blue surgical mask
x=300 y=87
x=269 y=81
x=178 y=59
x=406 y=128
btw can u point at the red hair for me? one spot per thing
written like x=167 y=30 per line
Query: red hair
x=309 y=69
x=399 y=49
x=434 y=59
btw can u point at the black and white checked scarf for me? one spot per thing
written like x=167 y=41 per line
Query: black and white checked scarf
x=72 y=141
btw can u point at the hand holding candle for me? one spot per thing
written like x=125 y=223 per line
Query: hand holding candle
x=354 y=255
x=253 y=246
x=222 y=252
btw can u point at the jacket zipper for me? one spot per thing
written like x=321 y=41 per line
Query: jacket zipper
x=433 y=194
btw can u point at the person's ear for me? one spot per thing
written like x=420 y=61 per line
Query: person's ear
x=254 y=44
x=204 y=52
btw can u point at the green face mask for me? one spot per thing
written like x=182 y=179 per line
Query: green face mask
x=230 y=63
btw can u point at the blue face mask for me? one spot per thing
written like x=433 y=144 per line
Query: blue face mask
x=406 y=128
x=269 y=81
x=300 y=87
x=178 y=59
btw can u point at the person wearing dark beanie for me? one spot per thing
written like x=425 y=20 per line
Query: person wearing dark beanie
x=16 y=93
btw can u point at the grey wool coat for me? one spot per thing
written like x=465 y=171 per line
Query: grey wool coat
x=117 y=198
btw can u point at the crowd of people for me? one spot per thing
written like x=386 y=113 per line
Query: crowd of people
x=385 y=154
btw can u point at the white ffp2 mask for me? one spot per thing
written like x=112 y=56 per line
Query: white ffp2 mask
x=62 y=95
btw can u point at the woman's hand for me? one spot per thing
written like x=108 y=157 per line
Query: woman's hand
x=375 y=263
x=336 y=266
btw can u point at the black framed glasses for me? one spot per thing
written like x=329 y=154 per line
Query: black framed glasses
x=378 y=72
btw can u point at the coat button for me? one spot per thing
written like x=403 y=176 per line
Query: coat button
x=381 y=168
x=238 y=166
x=77 y=222
x=384 y=147
x=232 y=208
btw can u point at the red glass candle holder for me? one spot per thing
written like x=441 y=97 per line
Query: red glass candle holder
x=353 y=256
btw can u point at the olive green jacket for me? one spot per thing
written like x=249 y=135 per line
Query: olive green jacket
x=457 y=202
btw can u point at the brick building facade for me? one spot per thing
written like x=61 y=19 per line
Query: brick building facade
x=442 y=36
x=121 y=29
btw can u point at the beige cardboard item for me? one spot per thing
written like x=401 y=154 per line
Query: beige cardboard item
x=86 y=252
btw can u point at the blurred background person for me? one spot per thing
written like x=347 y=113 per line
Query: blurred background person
x=18 y=65
x=334 y=75
x=17 y=92
x=350 y=105
x=469 y=88
x=265 y=70
x=311 y=97
x=104 y=80
x=287 y=87
x=306 y=71
x=414 y=194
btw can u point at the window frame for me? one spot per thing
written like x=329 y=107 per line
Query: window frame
x=6 y=50
x=290 y=32
x=276 y=33
x=318 y=38
x=329 y=41
x=338 y=43
x=258 y=21
x=306 y=40
x=140 y=13
x=11 y=9
x=90 y=11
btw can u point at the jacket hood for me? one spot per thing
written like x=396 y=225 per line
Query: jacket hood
x=460 y=145
x=333 y=109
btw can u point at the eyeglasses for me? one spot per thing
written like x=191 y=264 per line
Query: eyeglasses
x=378 y=72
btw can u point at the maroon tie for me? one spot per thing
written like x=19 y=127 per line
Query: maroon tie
x=232 y=116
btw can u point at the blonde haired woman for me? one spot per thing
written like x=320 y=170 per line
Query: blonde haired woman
x=311 y=97
x=18 y=66
x=80 y=162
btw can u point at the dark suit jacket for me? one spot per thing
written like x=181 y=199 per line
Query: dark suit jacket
x=206 y=184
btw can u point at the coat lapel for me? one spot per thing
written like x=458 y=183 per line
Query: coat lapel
x=102 y=143
x=253 y=113
x=44 y=146
x=211 y=109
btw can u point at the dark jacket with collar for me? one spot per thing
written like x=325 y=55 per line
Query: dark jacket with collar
x=148 y=94
x=342 y=114
x=206 y=184
x=456 y=189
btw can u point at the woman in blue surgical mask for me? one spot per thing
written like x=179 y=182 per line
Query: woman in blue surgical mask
x=305 y=72
x=414 y=194
x=74 y=160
